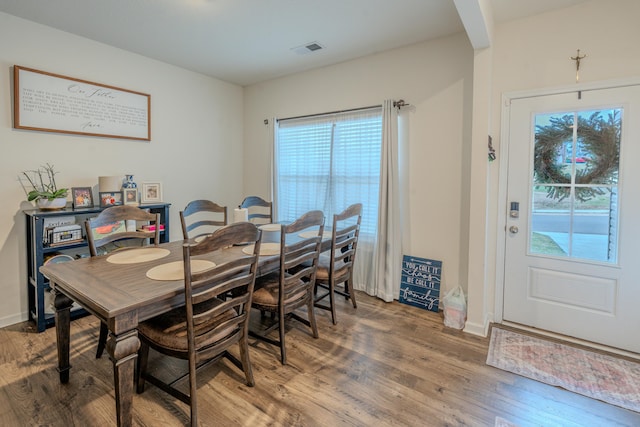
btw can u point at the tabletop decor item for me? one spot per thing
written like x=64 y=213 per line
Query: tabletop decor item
x=110 y=198
x=129 y=182
x=151 y=192
x=43 y=188
x=81 y=197
x=130 y=191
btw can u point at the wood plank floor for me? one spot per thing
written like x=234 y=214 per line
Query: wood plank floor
x=384 y=364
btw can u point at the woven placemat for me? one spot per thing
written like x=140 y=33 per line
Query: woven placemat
x=265 y=249
x=175 y=271
x=134 y=256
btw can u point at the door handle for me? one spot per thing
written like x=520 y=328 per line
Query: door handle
x=513 y=229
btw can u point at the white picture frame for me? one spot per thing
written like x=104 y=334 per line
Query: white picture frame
x=130 y=196
x=151 y=192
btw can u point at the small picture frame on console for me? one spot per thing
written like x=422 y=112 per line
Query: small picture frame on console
x=111 y=198
x=151 y=192
x=81 y=197
x=130 y=196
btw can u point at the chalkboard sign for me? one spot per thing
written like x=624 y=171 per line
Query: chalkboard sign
x=420 y=282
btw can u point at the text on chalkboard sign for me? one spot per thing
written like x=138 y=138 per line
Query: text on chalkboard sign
x=420 y=282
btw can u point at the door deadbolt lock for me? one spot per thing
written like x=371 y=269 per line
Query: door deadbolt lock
x=513 y=229
x=514 y=212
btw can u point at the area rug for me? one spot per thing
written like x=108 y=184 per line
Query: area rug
x=596 y=375
x=501 y=422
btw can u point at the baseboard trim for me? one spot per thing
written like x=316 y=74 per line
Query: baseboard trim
x=13 y=319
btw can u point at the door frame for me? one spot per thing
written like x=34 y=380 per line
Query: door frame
x=502 y=210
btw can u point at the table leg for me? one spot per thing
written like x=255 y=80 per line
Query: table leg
x=123 y=350
x=62 y=304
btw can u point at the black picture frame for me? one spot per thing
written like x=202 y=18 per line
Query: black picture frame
x=81 y=197
x=110 y=198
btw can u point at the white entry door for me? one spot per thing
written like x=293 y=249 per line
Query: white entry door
x=572 y=250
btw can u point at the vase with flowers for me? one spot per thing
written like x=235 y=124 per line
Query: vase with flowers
x=40 y=186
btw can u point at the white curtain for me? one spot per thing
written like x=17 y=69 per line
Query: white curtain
x=387 y=256
x=328 y=162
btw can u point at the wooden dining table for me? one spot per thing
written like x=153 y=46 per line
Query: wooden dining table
x=121 y=295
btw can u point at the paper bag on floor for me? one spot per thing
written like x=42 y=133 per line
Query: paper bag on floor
x=455 y=308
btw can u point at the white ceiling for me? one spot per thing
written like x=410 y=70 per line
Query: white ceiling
x=249 y=41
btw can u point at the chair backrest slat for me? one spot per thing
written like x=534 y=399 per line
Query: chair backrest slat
x=202 y=217
x=344 y=239
x=300 y=255
x=260 y=210
x=110 y=226
x=222 y=292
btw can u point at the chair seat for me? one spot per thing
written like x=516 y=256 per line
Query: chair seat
x=269 y=287
x=170 y=329
x=324 y=264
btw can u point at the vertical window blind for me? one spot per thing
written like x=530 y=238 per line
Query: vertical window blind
x=329 y=162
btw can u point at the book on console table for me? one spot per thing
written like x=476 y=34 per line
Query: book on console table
x=151 y=227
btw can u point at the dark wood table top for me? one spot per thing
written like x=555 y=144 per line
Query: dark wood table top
x=108 y=290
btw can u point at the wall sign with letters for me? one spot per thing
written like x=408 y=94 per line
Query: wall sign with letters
x=420 y=282
x=54 y=103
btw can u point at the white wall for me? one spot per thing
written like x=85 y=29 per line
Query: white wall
x=534 y=53
x=435 y=78
x=195 y=151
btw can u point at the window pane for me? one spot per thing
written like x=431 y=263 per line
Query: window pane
x=550 y=222
x=593 y=237
x=553 y=148
x=598 y=158
x=574 y=197
x=328 y=163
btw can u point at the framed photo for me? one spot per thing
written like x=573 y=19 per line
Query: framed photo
x=81 y=197
x=130 y=196
x=110 y=198
x=151 y=192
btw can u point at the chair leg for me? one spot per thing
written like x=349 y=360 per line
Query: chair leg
x=281 y=329
x=312 y=317
x=332 y=305
x=192 y=390
x=102 y=339
x=143 y=358
x=246 y=362
x=349 y=287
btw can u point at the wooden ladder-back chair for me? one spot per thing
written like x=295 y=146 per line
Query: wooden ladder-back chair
x=337 y=266
x=208 y=325
x=260 y=211
x=202 y=217
x=291 y=287
x=109 y=227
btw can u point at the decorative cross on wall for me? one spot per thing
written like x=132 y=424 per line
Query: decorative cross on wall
x=578 y=58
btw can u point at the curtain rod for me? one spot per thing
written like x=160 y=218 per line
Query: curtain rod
x=331 y=112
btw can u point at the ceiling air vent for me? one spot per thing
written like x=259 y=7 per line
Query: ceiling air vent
x=307 y=48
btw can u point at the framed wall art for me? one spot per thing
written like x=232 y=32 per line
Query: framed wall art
x=151 y=192
x=81 y=197
x=110 y=198
x=50 y=102
x=130 y=196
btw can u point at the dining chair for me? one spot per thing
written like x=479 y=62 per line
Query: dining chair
x=108 y=232
x=260 y=211
x=208 y=325
x=291 y=287
x=336 y=266
x=202 y=217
